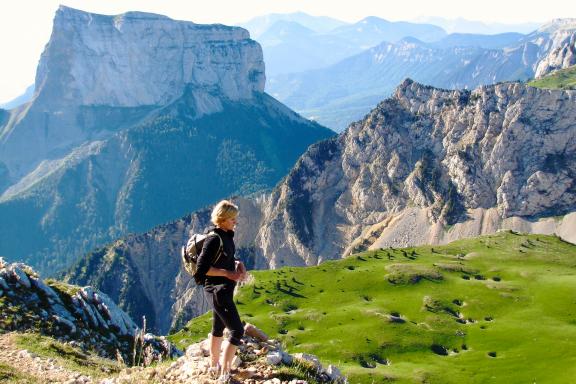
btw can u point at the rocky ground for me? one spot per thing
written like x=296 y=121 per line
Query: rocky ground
x=42 y=369
x=83 y=324
x=258 y=360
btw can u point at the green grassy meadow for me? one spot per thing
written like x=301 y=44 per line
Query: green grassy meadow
x=562 y=79
x=493 y=309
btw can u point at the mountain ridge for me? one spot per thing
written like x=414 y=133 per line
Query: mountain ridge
x=427 y=166
x=347 y=90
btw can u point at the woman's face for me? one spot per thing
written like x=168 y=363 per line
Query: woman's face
x=229 y=224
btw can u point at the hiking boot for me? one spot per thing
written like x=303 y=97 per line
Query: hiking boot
x=214 y=371
x=225 y=378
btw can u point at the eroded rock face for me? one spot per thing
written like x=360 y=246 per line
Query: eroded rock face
x=136 y=59
x=507 y=147
x=561 y=51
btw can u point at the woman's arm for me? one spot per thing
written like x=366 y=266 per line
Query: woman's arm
x=232 y=275
x=206 y=257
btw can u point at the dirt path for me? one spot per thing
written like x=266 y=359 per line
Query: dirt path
x=42 y=369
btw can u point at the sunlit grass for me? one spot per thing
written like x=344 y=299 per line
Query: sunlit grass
x=497 y=308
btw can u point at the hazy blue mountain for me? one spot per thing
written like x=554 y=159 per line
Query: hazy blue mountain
x=372 y=30
x=284 y=30
x=500 y=40
x=345 y=91
x=22 y=99
x=258 y=25
x=131 y=128
x=461 y=25
x=348 y=89
x=290 y=47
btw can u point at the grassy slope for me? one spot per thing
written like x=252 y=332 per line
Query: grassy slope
x=563 y=79
x=9 y=374
x=67 y=356
x=517 y=289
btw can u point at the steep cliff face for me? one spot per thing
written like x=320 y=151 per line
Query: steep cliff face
x=134 y=60
x=506 y=147
x=137 y=120
x=426 y=166
x=561 y=57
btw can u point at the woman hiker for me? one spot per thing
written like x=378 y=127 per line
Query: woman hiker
x=220 y=272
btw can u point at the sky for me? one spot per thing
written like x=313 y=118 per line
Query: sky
x=25 y=25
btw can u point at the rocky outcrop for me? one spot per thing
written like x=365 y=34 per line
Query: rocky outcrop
x=507 y=147
x=560 y=58
x=257 y=362
x=80 y=315
x=560 y=46
x=427 y=166
x=137 y=120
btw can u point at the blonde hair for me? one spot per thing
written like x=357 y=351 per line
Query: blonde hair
x=222 y=211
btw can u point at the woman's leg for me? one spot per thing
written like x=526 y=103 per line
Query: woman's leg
x=217 y=328
x=228 y=356
x=215 y=347
x=231 y=319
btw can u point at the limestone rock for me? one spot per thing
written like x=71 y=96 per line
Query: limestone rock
x=84 y=317
x=131 y=60
x=274 y=358
x=561 y=46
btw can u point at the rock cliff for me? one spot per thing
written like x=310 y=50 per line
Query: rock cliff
x=95 y=63
x=80 y=315
x=426 y=166
x=559 y=40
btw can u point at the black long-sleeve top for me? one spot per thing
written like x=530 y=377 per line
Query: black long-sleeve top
x=209 y=257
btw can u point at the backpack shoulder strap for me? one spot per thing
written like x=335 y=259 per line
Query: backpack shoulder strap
x=221 y=248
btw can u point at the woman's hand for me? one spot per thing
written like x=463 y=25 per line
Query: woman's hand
x=233 y=275
x=241 y=268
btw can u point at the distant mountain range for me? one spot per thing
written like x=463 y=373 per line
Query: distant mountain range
x=23 y=98
x=343 y=92
x=461 y=25
x=290 y=46
x=258 y=25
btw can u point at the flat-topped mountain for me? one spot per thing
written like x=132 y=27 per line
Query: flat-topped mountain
x=137 y=120
x=134 y=60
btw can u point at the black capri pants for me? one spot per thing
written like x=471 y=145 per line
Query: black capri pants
x=225 y=314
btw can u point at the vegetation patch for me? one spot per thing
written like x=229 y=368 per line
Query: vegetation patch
x=411 y=274
x=562 y=79
x=9 y=374
x=450 y=325
x=66 y=355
